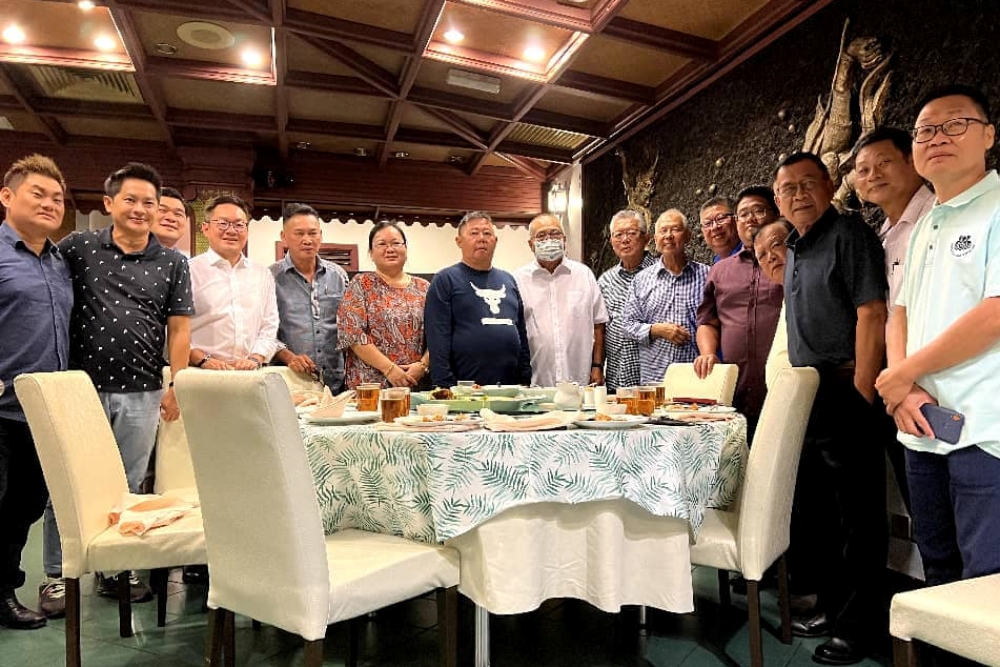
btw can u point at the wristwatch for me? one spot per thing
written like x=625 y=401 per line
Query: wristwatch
x=597 y=365
x=203 y=360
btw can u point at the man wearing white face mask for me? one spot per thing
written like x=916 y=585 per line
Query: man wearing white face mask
x=563 y=310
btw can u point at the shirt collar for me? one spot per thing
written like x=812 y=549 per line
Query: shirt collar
x=735 y=251
x=560 y=268
x=152 y=245
x=819 y=227
x=912 y=210
x=288 y=265
x=214 y=258
x=661 y=269
x=12 y=238
x=647 y=260
x=987 y=183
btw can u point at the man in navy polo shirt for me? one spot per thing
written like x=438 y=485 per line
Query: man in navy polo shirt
x=129 y=293
x=36 y=297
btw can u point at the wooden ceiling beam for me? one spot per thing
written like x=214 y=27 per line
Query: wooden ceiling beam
x=458 y=125
x=311 y=24
x=125 y=23
x=335 y=83
x=524 y=166
x=254 y=9
x=391 y=126
x=160 y=66
x=222 y=121
x=431 y=138
x=194 y=9
x=592 y=84
x=430 y=97
x=369 y=71
x=345 y=130
x=662 y=39
x=276 y=9
x=53 y=106
x=50 y=126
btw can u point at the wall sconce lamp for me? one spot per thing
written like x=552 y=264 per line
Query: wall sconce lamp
x=558 y=199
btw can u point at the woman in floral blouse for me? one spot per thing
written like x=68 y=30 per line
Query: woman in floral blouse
x=380 y=323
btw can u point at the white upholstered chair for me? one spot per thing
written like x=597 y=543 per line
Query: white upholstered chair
x=83 y=470
x=962 y=618
x=295 y=381
x=682 y=382
x=754 y=534
x=268 y=556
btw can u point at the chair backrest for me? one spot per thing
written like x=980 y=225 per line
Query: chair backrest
x=263 y=533
x=681 y=381
x=769 y=481
x=295 y=381
x=79 y=456
x=174 y=469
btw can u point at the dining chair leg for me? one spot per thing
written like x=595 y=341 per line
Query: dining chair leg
x=314 y=653
x=256 y=625
x=756 y=640
x=447 y=608
x=353 y=643
x=228 y=639
x=158 y=581
x=724 y=596
x=72 y=622
x=213 y=641
x=124 y=605
x=904 y=653
x=784 y=601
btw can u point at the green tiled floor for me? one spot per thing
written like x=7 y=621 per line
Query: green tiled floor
x=561 y=633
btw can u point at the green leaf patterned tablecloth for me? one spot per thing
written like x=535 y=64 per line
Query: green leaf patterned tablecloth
x=434 y=486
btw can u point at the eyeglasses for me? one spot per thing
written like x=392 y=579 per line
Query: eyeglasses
x=717 y=221
x=237 y=226
x=551 y=234
x=757 y=211
x=789 y=190
x=626 y=234
x=955 y=127
x=396 y=245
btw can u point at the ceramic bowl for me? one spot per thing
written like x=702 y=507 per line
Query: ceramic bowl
x=432 y=410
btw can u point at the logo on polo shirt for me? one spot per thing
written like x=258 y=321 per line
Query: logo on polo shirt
x=963 y=246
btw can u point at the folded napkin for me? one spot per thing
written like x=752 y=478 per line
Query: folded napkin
x=332 y=406
x=543 y=422
x=137 y=514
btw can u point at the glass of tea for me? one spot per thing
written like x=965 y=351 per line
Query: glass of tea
x=395 y=403
x=626 y=396
x=661 y=395
x=367 y=396
x=645 y=400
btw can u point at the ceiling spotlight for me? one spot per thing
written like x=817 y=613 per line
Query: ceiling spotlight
x=165 y=48
x=361 y=152
x=105 y=43
x=85 y=5
x=13 y=34
x=303 y=145
x=534 y=54
x=401 y=154
x=454 y=36
x=251 y=58
x=456 y=159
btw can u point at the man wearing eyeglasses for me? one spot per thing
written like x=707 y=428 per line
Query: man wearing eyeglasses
x=739 y=309
x=943 y=341
x=235 y=325
x=564 y=310
x=717 y=228
x=835 y=288
x=629 y=237
x=309 y=291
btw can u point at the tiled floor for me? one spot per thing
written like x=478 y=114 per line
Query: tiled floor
x=562 y=633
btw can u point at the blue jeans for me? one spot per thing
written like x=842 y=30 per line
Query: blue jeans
x=955 y=501
x=134 y=417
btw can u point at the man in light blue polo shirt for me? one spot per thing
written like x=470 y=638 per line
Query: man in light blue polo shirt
x=944 y=341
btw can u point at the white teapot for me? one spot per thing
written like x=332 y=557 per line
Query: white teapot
x=568 y=395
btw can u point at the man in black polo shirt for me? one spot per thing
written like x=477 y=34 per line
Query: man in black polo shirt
x=835 y=289
x=129 y=293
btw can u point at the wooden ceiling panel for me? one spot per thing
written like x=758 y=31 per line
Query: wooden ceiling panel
x=615 y=59
x=424 y=152
x=22 y=122
x=399 y=15
x=303 y=57
x=320 y=105
x=499 y=34
x=116 y=129
x=387 y=60
x=220 y=96
x=712 y=19
x=585 y=106
x=481 y=123
x=162 y=28
x=414 y=117
x=328 y=144
x=434 y=75
x=60 y=25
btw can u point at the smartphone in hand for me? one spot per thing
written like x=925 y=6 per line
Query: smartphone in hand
x=947 y=424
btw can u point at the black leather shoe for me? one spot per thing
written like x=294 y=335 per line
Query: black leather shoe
x=837 y=651
x=816 y=625
x=16 y=616
x=195 y=574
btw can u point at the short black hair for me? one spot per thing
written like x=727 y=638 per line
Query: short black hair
x=780 y=222
x=384 y=224
x=212 y=203
x=801 y=156
x=136 y=170
x=975 y=94
x=174 y=193
x=761 y=191
x=901 y=139
x=296 y=208
x=474 y=215
x=718 y=200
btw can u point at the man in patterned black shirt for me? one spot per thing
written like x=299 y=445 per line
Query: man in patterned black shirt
x=129 y=292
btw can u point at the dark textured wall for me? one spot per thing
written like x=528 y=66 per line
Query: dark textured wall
x=737 y=118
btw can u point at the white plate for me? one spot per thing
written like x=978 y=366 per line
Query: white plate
x=616 y=424
x=706 y=410
x=418 y=420
x=347 y=419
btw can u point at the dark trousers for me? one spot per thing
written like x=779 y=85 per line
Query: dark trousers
x=955 y=501
x=839 y=539
x=22 y=498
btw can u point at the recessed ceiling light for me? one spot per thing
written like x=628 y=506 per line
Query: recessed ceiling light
x=205 y=35
x=165 y=48
x=13 y=34
x=251 y=57
x=456 y=159
x=534 y=54
x=303 y=145
x=361 y=152
x=85 y=5
x=454 y=36
x=105 y=43
x=401 y=154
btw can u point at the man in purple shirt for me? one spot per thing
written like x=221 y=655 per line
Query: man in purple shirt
x=740 y=308
x=716 y=217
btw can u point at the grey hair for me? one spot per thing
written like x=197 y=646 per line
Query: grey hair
x=629 y=214
x=473 y=215
x=673 y=213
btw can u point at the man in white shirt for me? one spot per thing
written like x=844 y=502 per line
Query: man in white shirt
x=235 y=325
x=563 y=310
